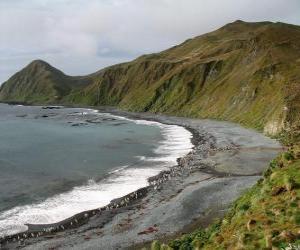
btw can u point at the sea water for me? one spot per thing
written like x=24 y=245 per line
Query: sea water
x=56 y=162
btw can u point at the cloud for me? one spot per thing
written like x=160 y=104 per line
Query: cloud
x=80 y=36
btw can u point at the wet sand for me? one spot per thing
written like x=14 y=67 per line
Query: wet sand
x=226 y=160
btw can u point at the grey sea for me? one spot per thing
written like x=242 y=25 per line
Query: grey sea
x=56 y=162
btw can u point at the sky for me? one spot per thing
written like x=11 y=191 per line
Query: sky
x=83 y=36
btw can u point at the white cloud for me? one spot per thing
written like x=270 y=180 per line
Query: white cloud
x=80 y=36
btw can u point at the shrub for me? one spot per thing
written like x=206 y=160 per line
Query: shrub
x=288 y=156
x=297 y=218
x=196 y=244
x=289 y=183
x=165 y=247
x=244 y=207
x=155 y=245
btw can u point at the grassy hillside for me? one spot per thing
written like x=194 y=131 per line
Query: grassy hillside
x=266 y=217
x=39 y=82
x=244 y=72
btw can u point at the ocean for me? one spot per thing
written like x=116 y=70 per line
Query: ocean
x=56 y=162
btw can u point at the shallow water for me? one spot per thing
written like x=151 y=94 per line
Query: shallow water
x=57 y=162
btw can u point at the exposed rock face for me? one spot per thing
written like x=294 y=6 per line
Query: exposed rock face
x=243 y=72
x=274 y=127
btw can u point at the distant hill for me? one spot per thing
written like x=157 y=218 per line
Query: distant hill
x=39 y=82
x=243 y=72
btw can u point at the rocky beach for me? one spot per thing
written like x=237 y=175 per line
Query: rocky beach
x=226 y=160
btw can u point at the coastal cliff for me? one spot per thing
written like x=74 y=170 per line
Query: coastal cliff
x=243 y=72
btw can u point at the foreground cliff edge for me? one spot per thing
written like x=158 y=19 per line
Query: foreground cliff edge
x=247 y=73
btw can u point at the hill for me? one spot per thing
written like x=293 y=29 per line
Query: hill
x=243 y=72
x=39 y=82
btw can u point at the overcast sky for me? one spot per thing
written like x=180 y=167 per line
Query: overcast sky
x=82 y=36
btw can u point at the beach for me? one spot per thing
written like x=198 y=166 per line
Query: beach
x=226 y=160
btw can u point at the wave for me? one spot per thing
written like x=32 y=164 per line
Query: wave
x=121 y=181
x=176 y=143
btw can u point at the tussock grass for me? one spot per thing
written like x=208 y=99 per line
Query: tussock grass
x=267 y=216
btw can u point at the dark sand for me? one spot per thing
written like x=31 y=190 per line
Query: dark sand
x=226 y=160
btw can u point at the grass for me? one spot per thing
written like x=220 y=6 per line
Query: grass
x=243 y=72
x=267 y=216
x=233 y=73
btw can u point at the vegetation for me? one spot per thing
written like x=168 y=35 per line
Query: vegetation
x=40 y=83
x=265 y=217
x=243 y=72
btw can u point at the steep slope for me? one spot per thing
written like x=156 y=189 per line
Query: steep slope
x=39 y=82
x=243 y=72
x=267 y=216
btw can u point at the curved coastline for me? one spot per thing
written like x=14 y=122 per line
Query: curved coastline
x=205 y=144
x=35 y=230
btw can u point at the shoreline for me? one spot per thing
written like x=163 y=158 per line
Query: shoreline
x=36 y=230
x=203 y=144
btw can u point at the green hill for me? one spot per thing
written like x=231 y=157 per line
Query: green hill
x=39 y=82
x=244 y=72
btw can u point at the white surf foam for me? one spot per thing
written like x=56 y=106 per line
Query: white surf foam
x=177 y=141
x=122 y=181
x=90 y=196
